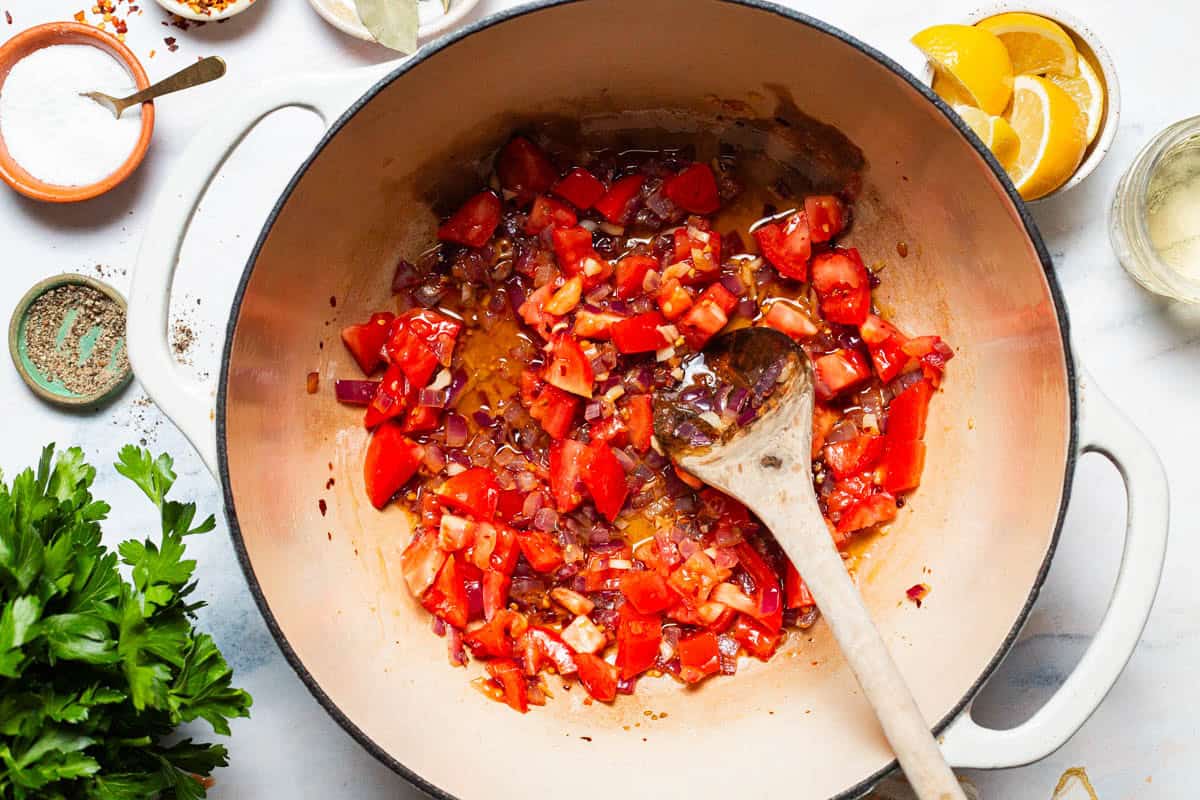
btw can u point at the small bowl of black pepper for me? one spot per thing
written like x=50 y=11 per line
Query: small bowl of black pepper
x=67 y=341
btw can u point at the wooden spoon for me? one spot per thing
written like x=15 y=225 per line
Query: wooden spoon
x=767 y=465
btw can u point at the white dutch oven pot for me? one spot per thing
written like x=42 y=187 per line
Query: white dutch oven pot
x=1004 y=436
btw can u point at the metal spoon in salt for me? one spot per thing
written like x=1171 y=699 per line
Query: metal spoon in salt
x=767 y=465
x=203 y=71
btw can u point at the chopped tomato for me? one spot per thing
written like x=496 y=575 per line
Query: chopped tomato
x=874 y=510
x=547 y=211
x=473 y=491
x=908 y=411
x=540 y=550
x=694 y=190
x=595 y=324
x=843 y=286
x=497 y=575
x=506 y=672
x=708 y=316
x=419 y=341
x=580 y=188
x=510 y=504
x=615 y=204
x=455 y=533
x=902 y=463
x=631 y=274
x=767 y=595
x=524 y=169
x=542 y=646
x=674 y=299
x=796 y=590
x=365 y=342
x=447 y=598
x=786 y=245
x=838 y=371
x=698 y=237
x=826 y=216
x=422 y=418
x=699 y=656
x=597 y=676
x=933 y=354
x=757 y=640
x=638 y=639
x=494 y=639
x=640 y=421
x=555 y=409
x=474 y=223
x=392 y=398
x=569 y=369
x=421 y=562
x=566 y=473
x=886 y=345
x=785 y=317
x=392 y=458
x=852 y=456
x=695 y=578
x=611 y=430
x=640 y=334
x=605 y=480
x=533 y=311
x=571 y=247
x=647 y=591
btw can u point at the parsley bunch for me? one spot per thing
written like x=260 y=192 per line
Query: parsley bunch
x=96 y=670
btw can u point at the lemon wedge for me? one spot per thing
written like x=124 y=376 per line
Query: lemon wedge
x=995 y=132
x=950 y=90
x=1053 y=134
x=1035 y=44
x=973 y=60
x=1088 y=93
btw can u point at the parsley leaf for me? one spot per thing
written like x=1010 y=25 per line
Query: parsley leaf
x=96 y=671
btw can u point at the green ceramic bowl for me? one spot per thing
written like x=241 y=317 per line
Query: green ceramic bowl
x=49 y=388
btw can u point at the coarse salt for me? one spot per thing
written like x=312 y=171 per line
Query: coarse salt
x=58 y=136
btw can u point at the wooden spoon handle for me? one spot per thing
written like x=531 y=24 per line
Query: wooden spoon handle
x=906 y=729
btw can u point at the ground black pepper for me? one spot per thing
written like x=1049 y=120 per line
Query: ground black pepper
x=64 y=360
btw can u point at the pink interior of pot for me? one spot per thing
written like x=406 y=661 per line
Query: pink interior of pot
x=977 y=531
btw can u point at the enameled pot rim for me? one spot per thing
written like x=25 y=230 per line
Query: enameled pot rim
x=425 y=53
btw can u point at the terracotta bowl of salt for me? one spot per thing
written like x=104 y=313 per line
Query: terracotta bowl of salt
x=52 y=34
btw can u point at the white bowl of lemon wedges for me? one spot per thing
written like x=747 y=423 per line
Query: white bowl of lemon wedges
x=1036 y=87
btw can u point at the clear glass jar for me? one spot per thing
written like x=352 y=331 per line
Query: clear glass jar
x=1141 y=193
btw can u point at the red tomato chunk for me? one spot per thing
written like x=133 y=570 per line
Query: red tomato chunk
x=514 y=416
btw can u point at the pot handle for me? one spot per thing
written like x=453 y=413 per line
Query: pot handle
x=188 y=403
x=1106 y=431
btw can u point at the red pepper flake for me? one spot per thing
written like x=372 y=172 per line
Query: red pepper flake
x=152 y=52
x=918 y=592
x=80 y=16
x=172 y=45
x=313 y=382
x=8 y=17
x=120 y=26
x=321 y=505
x=332 y=301
x=329 y=484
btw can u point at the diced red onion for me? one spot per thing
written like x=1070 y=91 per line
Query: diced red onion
x=593 y=410
x=732 y=283
x=688 y=548
x=482 y=419
x=526 y=481
x=845 y=430
x=433 y=459
x=439 y=627
x=546 y=519
x=627 y=685
x=355 y=393
x=454 y=648
x=688 y=432
x=599 y=293
x=458 y=382
x=533 y=503
x=618 y=307
x=627 y=461
x=429 y=295
x=726 y=558
x=458 y=457
x=746 y=308
x=770 y=602
x=747 y=416
x=434 y=398
x=405 y=277
x=456 y=430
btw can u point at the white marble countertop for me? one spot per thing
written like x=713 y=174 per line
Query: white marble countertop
x=1143 y=741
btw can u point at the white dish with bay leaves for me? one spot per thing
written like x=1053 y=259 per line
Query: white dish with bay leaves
x=434 y=17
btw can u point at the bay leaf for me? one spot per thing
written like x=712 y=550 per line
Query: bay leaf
x=393 y=23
